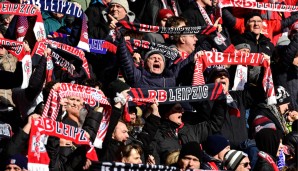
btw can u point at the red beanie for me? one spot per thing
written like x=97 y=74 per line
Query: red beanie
x=165 y=13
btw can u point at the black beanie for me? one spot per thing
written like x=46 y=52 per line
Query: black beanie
x=116 y=86
x=215 y=144
x=250 y=15
x=282 y=96
x=191 y=148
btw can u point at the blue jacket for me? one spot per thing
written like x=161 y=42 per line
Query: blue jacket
x=141 y=78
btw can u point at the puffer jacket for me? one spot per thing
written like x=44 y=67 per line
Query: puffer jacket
x=141 y=78
x=210 y=163
x=170 y=136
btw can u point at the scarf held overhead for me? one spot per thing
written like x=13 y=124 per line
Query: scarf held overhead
x=258 y=5
x=91 y=96
x=167 y=52
x=37 y=155
x=180 y=94
x=252 y=59
x=166 y=30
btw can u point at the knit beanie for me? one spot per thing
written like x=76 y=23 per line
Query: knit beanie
x=116 y=86
x=123 y=3
x=164 y=13
x=152 y=52
x=215 y=144
x=261 y=122
x=283 y=41
x=215 y=72
x=191 y=148
x=282 y=96
x=233 y=158
x=250 y=15
x=18 y=160
x=242 y=46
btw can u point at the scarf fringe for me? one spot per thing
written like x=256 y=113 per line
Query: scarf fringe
x=38 y=167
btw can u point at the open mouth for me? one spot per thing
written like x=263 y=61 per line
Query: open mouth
x=156 y=66
x=223 y=82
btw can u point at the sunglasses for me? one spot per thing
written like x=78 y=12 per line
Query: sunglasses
x=246 y=164
x=220 y=74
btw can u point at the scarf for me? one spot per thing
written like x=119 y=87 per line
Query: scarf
x=253 y=59
x=179 y=94
x=17 y=50
x=21 y=28
x=64 y=64
x=91 y=96
x=240 y=77
x=38 y=158
x=173 y=5
x=67 y=8
x=167 y=51
x=95 y=46
x=258 y=5
x=166 y=30
x=25 y=10
x=117 y=166
x=5 y=131
x=71 y=51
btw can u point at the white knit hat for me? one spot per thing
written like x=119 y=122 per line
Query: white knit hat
x=123 y=3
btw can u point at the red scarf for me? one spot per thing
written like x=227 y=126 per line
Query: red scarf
x=38 y=158
x=91 y=96
x=266 y=157
x=258 y=5
x=253 y=59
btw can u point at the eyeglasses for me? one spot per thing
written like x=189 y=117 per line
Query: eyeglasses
x=246 y=164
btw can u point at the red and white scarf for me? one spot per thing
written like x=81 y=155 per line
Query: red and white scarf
x=258 y=5
x=240 y=77
x=91 y=96
x=38 y=158
x=253 y=59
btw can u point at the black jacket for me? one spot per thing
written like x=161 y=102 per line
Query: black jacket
x=97 y=26
x=167 y=139
x=110 y=146
x=210 y=163
x=72 y=158
x=10 y=80
x=284 y=72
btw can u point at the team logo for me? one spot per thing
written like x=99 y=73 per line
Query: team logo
x=21 y=29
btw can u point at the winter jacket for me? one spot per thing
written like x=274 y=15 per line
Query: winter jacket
x=72 y=158
x=170 y=136
x=210 y=163
x=110 y=146
x=291 y=138
x=150 y=9
x=51 y=24
x=261 y=45
x=141 y=78
x=97 y=26
x=10 y=80
x=270 y=27
x=284 y=72
x=27 y=99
